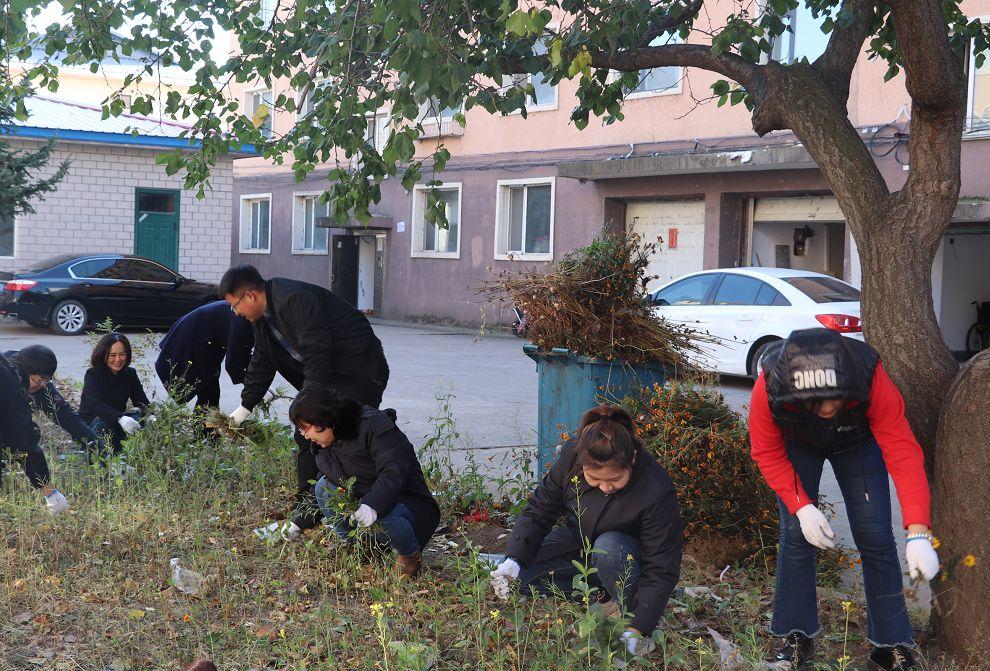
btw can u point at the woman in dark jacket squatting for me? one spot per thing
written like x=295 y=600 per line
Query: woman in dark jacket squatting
x=363 y=442
x=628 y=512
x=108 y=385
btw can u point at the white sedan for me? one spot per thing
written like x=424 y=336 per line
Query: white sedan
x=747 y=309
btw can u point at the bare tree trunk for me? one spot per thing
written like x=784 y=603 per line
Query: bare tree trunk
x=962 y=521
x=899 y=319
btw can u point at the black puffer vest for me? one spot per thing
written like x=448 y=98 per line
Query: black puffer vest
x=818 y=364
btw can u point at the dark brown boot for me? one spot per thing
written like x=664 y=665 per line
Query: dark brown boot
x=408 y=567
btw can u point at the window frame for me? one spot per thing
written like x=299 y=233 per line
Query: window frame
x=267 y=21
x=419 y=200
x=503 y=187
x=984 y=128
x=374 y=117
x=252 y=197
x=298 y=219
x=271 y=108
x=319 y=83
x=676 y=89
x=13 y=242
x=539 y=107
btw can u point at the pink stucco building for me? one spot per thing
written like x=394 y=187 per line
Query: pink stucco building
x=522 y=192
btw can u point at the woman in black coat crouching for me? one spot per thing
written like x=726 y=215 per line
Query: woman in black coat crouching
x=364 y=443
x=109 y=384
x=611 y=491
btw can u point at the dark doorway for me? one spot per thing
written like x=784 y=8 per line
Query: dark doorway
x=344 y=267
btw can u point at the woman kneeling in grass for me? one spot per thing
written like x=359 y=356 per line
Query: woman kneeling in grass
x=363 y=443
x=612 y=492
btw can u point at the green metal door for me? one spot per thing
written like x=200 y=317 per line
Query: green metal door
x=156 y=226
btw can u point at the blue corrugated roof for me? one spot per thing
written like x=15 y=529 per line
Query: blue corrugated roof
x=72 y=121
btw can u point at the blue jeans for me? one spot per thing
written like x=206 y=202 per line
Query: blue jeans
x=112 y=434
x=862 y=477
x=617 y=573
x=395 y=529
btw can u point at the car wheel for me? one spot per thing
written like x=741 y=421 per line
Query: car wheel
x=757 y=355
x=69 y=318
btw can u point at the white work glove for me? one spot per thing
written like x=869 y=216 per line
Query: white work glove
x=503 y=575
x=238 y=416
x=921 y=558
x=286 y=531
x=56 y=503
x=129 y=424
x=364 y=516
x=637 y=644
x=150 y=419
x=815 y=527
x=269 y=396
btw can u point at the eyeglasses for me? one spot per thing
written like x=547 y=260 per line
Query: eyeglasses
x=233 y=308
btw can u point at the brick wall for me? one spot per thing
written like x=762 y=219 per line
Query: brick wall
x=93 y=210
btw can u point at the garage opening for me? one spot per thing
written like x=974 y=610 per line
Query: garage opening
x=802 y=233
x=960 y=278
x=681 y=226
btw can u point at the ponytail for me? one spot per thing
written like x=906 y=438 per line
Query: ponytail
x=607 y=437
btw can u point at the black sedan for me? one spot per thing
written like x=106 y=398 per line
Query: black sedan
x=70 y=293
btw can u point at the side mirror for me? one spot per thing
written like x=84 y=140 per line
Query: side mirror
x=179 y=280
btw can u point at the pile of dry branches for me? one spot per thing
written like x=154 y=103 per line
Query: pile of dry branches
x=592 y=302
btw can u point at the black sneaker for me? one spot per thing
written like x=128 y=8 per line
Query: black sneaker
x=798 y=649
x=897 y=658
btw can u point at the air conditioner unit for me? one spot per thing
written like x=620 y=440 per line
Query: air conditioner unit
x=446 y=127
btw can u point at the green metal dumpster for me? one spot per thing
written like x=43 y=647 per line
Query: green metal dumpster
x=568 y=386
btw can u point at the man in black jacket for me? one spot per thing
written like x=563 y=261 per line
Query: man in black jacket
x=20 y=435
x=194 y=348
x=310 y=336
x=36 y=365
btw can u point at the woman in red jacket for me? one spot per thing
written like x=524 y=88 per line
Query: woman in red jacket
x=825 y=397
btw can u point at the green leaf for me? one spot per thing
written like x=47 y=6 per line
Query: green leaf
x=581 y=63
x=519 y=23
x=556 y=52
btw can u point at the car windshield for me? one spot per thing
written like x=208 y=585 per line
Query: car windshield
x=48 y=264
x=824 y=289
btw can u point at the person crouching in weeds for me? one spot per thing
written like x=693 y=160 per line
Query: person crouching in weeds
x=614 y=493
x=363 y=443
x=822 y=396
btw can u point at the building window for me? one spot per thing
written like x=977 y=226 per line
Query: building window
x=979 y=94
x=658 y=81
x=256 y=232
x=266 y=11
x=307 y=236
x=312 y=98
x=377 y=131
x=545 y=93
x=430 y=240
x=258 y=107
x=6 y=236
x=524 y=219
x=804 y=39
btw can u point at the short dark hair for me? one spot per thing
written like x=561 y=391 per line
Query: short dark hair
x=321 y=406
x=36 y=360
x=240 y=277
x=99 y=357
x=607 y=437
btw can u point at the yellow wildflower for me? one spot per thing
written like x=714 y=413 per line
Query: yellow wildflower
x=494 y=614
x=969 y=561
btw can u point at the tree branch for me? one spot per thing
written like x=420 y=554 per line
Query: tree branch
x=835 y=66
x=736 y=68
x=668 y=22
x=933 y=74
